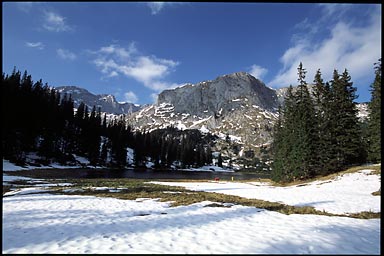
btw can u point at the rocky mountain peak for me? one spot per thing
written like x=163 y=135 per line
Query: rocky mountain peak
x=238 y=75
x=219 y=96
x=108 y=98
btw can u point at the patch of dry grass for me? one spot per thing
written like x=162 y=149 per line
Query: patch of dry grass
x=6 y=188
x=377 y=193
x=366 y=215
x=376 y=171
x=131 y=189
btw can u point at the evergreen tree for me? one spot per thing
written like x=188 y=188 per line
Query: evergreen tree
x=278 y=148
x=347 y=133
x=284 y=139
x=374 y=118
x=139 y=154
x=323 y=116
x=92 y=136
x=119 y=141
x=295 y=135
x=306 y=131
x=220 y=161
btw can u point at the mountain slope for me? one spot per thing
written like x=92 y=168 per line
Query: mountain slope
x=220 y=96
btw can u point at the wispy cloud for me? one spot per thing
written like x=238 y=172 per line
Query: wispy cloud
x=347 y=44
x=131 y=97
x=154 y=97
x=335 y=10
x=55 y=22
x=25 y=6
x=156 y=7
x=66 y=54
x=258 y=71
x=114 y=60
x=37 y=45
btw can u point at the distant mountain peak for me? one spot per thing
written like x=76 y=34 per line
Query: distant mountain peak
x=106 y=102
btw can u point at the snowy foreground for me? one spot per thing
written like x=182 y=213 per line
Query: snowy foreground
x=47 y=223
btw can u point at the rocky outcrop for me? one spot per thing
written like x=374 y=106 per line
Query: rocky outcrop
x=220 y=96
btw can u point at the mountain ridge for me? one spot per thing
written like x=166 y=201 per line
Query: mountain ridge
x=106 y=102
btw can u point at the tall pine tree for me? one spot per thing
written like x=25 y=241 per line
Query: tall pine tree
x=346 y=128
x=374 y=119
x=324 y=144
x=305 y=123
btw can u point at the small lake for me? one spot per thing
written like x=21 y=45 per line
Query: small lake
x=172 y=174
x=147 y=174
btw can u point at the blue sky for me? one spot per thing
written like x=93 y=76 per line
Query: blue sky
x=134 y=50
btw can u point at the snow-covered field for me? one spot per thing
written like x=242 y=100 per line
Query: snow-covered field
x=48 y=223
x=350 y=193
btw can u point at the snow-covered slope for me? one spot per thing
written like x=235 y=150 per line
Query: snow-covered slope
x=348 y=193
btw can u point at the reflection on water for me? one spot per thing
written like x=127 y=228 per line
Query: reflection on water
x=167 y=174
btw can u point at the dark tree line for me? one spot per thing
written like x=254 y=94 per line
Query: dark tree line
x=37 y=119
x=320 y=133
x=166 y=147
x=34 y=118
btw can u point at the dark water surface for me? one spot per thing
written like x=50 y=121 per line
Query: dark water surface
x=172 y=174
x=152 y=174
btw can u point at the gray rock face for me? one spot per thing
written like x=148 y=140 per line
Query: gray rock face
x=220 y=96
x=106 y=102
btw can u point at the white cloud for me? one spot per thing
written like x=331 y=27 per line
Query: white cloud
x=130 y=97
x=66 y=55
x=156 y=7
x=55 y=22
x=347 y=45
x=114 y=60
x=258 y=71
x=119 y=52
x=148 y=69
x=113 y=74
x=37 y=45
x=160 y=86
